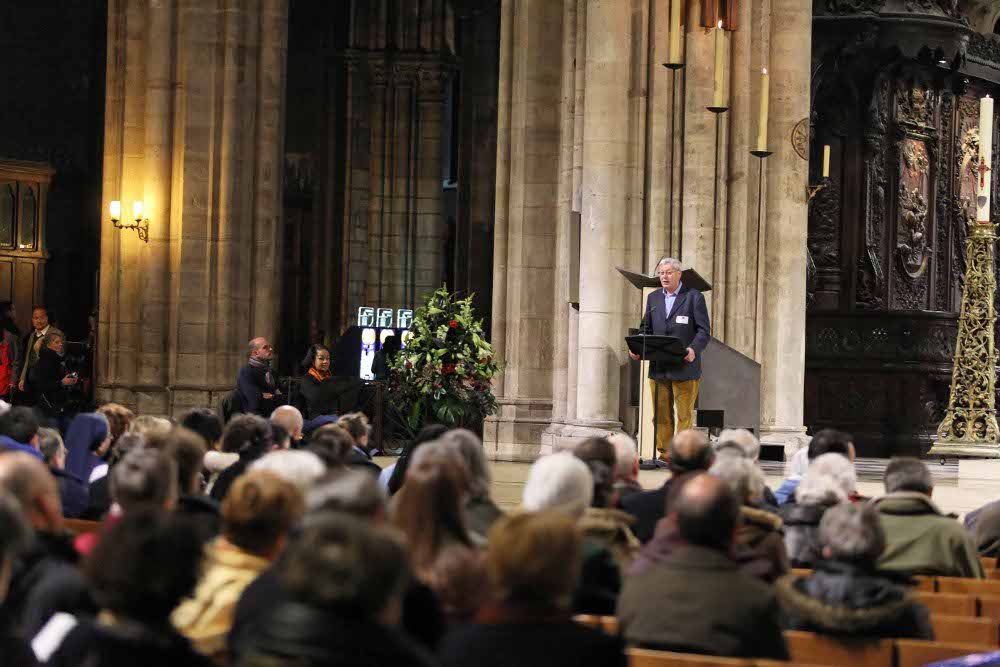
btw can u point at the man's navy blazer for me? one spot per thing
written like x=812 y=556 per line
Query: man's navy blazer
x=694 y=333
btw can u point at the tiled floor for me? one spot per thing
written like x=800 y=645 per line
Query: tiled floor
x=952 y=495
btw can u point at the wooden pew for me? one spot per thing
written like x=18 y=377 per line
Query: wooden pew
x=988 y=562
x=916 y=653
x=925 y=583
x=808 y=647
x=989 y=606
x=607 y=624
x=968 y=586
x=964 y=630
x=948 y=604
x=80 y=526
x=638 y=657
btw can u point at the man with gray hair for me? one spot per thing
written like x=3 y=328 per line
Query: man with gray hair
x=680 y=312
x=920 y=539
x=733 y=440
x=626 y=465
x=845 y=595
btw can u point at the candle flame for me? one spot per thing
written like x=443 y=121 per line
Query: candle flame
x=764 y=70
x=720 y=24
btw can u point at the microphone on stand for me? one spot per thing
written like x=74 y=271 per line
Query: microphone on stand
x=647 y=326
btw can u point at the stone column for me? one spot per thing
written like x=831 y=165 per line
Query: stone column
x=612 y=192
x=525 y=236
x=176 y=313
x=783 y=312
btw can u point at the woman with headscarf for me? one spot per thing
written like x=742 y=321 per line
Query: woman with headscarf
x=88 y=441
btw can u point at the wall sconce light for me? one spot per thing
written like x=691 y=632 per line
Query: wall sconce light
x=140 y=224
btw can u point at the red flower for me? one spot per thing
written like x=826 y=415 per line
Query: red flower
x=408 y=365
x=448 y=369
x=453 y=324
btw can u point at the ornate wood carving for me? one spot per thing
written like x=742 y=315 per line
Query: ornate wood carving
x=869 y=278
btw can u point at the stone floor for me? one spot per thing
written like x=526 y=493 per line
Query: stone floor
x=954 y=494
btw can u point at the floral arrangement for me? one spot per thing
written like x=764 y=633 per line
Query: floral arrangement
x=444 y=374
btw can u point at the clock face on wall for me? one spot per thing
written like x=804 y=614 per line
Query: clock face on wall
x=800 y=138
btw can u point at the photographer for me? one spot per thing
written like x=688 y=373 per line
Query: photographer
x=50 y=382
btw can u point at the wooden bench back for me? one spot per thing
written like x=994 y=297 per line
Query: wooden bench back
x=915 y=653
x=965 y=630
x=968 y=586
x=816 y=649
x=643 y=658
x=80 y=526
x=948 y=604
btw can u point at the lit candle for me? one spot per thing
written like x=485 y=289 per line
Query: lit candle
x=720 y=67
x=985 y=159
x=116 y=210
x=826 y=161
x=765 y=84
x=137 y=210
x=675 y=31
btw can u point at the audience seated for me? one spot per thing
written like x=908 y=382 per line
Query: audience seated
x=257 y=515
x=829 y=480
x=748 y=443
x=19 y=431
x=301 y=468
x=136 y=593
x=698 y=600
x=824 y=442
x=357 y=494
x=187 y=450
x=562 y=483
x=480 y=510
x=332 y=444
x=987 y=531
x=46 y=570
x=345 y=581
x=533 y=565
x=99 y=491
x=601 y=523
x=72 y=490
x=15 y=538
x=429 y=512
x=88 y=443
x=758 y=545
x=626 y=466
x=119 y=422
x=920 y=539
x=360 y=457
x=250 y=437
x=846 y=595
x=149 y=426
x=688 y=451
x=394 y=480
x=290 y=419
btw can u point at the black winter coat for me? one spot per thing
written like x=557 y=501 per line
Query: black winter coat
x=852 y=600
x=802 y=533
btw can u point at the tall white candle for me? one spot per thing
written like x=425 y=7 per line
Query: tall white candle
x=720 y=67
x=985 y=159
x=675 y=31
x=826 y=161
x=762 y=117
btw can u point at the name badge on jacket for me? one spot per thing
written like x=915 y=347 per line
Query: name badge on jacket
x=682 y=319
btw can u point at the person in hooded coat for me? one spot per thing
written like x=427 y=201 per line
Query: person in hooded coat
x=87 y=443
x=846 y=595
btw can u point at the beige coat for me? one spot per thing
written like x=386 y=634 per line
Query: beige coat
x=206 y=618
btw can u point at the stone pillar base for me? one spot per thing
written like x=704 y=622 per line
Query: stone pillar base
x=572 y=433
x=790 y=440
x=517 y=431
x=160 y=401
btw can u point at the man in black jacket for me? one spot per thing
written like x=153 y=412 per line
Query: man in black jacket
x=255 y=384
x=689 y=451
x=49 y=379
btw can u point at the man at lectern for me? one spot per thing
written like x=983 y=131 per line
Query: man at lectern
x=678 y=311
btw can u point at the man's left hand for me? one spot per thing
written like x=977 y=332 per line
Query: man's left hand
x=689 y=357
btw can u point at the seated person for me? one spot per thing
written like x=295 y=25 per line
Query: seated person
x=257 y=515
x=759 y=545
x=920 y=539
x=825 y=442
x=325 y=393
x=828 y=481
x=345 y=580
x=846 y=595
x=136 y=593
x=697 y=600
x=533 y=565
x=72 y=490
